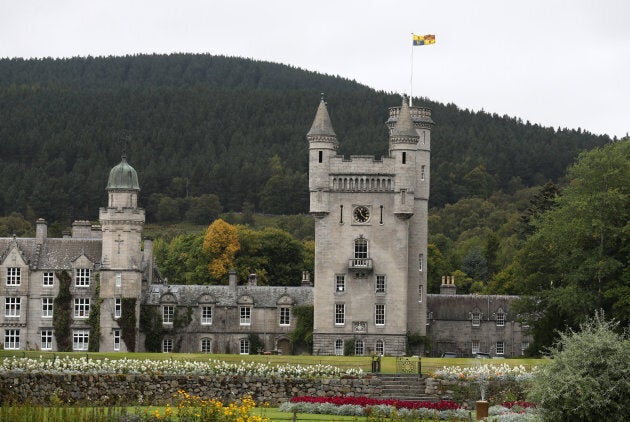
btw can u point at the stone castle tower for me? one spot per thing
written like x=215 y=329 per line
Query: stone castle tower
x=121 y=269
x=370 y=236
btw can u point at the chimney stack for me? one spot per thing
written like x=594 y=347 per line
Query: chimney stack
x=41 y=230
x=448 y=286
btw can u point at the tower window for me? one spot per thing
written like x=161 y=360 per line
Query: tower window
x=422 y=173
x=321 y=156
x=404 y=157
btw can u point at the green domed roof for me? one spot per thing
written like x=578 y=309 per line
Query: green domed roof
x=123 y=176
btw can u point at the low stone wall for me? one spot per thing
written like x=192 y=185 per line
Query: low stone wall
x=158 y=389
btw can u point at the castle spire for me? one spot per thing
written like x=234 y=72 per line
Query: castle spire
x=404 y=127
x=322 y=126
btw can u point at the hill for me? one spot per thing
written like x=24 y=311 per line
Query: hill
x=232 y=130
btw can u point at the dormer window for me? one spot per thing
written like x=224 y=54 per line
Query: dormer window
x=82 y=277
x=14 y=276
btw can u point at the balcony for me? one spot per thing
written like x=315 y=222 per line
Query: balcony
x=360 y=264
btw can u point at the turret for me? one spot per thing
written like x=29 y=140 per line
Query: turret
x=323 y=145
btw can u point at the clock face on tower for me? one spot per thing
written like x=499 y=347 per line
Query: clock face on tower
x=361 y=214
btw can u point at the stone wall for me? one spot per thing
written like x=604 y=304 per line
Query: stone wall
x=155 y=389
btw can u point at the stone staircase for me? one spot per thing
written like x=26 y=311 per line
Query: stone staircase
x=403 y=387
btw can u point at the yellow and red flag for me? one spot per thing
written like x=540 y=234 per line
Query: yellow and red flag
x=423 y=39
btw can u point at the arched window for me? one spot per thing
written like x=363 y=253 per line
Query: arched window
x=339 y=347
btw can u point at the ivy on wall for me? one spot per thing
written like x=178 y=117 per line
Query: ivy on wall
x=154 y=331
x=62 y=316
x=127 y=323
x=302 y=336
x=94 y=320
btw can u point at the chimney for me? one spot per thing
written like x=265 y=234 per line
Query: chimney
x=253 y=279
x=41 y=230
x=233 y=280
x=306 y=278
x=448 y=286
x=81 y=230
x=97 y=232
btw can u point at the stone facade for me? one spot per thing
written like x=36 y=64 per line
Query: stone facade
x=370 y=236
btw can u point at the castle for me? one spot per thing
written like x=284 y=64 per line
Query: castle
x=98 y=288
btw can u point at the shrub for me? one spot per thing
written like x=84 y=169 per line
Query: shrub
x=588 y=378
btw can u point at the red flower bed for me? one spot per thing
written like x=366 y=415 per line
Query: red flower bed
x=523 y=404
x=366 y=402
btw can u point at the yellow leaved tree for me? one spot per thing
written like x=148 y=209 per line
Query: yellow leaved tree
x=221 y=245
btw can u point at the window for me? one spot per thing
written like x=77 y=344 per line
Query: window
x=12 y=307
x=116 y=340
x=379 y=314
x=47 y=307
x=285 y=316
x=404 y=157
x=476 y=319
x=118 y=279
x=475 y=347
x=339 y=347
x=46 y=340
x=340 y=314
x=244 y=346
x=14 y=276
x=49 y=279
x=321 y=156
x=524 y=347
x=206 y=345
x=420 y=292
x=429 y=316
x=82 y=277
x=421 y=172
x=206 y=315
x=168 y=314
x=380 y=284
x=11 y=339
x=81 y=307
x=117 y=307
x=380 y=347
x=80 y=339
x=420 y=262
x=167 y=345
x=500 y=347
x=340 y=283
x=500 y=319
x=360 y=248
x=246 y=315
x=358 y=347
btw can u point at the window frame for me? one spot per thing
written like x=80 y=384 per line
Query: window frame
x=340 y=314
x=48 y=279
x=46 y=340
x=81 y=307
x=340 y=283
x=499 y=345
x=48 y=306
x=475 y=347
x=500 y=319
x=82 y=277
x=12 y=306
x=12 y=339
x=379 y=347
x=380 y=284
x=14 y=276
x=285 y=316
x=206 y=315
x=245 y=315
x=167 y=345
x=244 y=346
x=168 y=314
x=205 y=345
x=339 y=349
x=359 y=347
x=116 y=335
x=475 y=319
x=80 y=340
x=117 y=307
x=379 y=315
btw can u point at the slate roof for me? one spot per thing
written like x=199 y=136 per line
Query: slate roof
x=53 y=254
x=321 y=124
x=263 y=296
x=459 y=307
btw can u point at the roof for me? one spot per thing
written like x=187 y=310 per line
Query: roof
x=262 y=296
x=322 y=126
x=459 y=307
x=53 y=254
x=123 y=176
x=404 y=125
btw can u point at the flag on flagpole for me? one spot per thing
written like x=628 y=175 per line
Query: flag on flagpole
x=423 y=39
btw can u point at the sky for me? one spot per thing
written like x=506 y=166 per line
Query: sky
x=560 y=63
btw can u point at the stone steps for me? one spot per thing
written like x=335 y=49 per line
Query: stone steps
x=403 y=387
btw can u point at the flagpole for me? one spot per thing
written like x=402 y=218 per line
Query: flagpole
x=411 y=77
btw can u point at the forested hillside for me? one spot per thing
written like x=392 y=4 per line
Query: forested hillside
x=209 y=134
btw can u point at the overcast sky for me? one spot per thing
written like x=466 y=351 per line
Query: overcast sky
x=560 y=63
